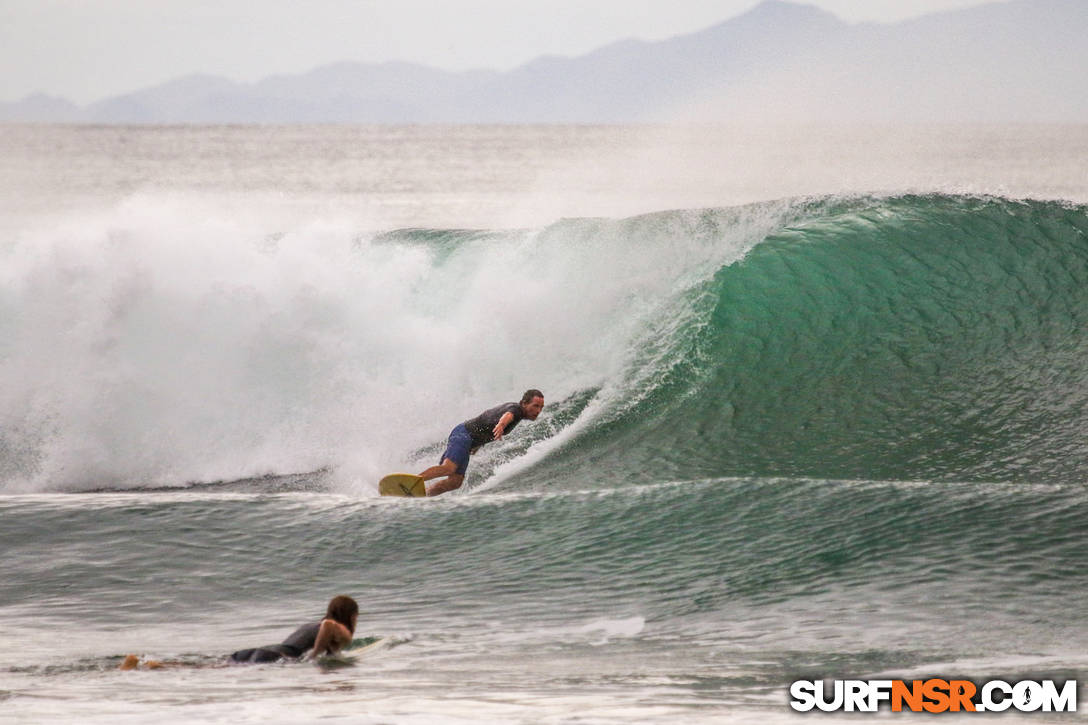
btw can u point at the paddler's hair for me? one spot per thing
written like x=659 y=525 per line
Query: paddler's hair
x=341 y=609
x=529 y=395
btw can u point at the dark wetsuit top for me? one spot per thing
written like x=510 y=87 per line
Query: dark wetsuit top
x=295 y=645
x=482 y=427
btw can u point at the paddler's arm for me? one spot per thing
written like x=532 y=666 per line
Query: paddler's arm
x=500 y=427
x=331 y=638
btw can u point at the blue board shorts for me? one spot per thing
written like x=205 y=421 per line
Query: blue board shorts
x=458 y=449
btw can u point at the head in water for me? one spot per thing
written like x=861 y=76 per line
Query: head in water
x=344 y=610
x=532 y=403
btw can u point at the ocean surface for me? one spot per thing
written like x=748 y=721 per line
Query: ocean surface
x=816 y=406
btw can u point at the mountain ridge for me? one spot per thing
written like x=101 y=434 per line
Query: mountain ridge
x=1020 y=60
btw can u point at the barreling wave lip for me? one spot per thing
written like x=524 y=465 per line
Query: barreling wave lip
x=912 y=337
x=925 y=337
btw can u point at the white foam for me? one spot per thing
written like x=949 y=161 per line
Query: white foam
x=173 y=339
x=607 y=629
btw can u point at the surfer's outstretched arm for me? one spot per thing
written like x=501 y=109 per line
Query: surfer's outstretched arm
x=500 y=427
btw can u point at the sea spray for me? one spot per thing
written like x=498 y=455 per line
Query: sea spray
x=162 y=343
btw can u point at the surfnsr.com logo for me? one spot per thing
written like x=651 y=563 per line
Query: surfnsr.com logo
x=933 y=695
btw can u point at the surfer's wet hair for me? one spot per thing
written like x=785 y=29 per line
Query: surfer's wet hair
x=530 y=394
x=341 y=609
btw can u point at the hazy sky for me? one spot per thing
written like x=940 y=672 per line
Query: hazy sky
x=86 y=50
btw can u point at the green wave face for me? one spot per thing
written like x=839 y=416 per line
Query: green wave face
x=897 y=339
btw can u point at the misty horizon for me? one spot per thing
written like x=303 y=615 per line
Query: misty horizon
x=780 y=61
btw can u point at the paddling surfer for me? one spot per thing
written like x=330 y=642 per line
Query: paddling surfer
x=466 y=438
x=326 y=637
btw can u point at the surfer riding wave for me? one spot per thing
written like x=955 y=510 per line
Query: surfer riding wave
x=466 y=438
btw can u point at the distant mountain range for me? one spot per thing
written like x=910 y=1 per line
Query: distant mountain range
x=1025 y=60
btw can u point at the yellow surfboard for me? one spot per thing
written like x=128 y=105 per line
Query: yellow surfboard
x=402 y=484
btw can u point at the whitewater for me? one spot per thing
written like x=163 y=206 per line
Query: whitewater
x=815 y=407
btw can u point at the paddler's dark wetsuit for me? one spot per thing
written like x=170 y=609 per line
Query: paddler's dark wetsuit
x=474 y=433
x=294 y=646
